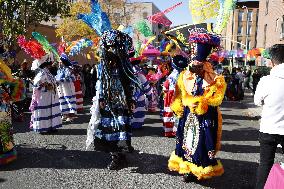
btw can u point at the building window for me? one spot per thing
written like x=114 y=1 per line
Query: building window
x=249 y=28
x=277 y=25
x=241 y=15
x=239 y=44
x=264 y=40
x=250 y=15
x=266 y=7
x=282 y=28
x=248 y=44
x=145 y=15
x=240 y=28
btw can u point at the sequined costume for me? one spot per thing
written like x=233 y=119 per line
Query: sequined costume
x=199 y=93
x=111 y=114
x=199 y=132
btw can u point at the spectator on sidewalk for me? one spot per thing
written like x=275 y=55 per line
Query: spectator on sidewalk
x=255 y=79
x=247 y=79
x=240 y=84
x=269 y=94
x=87 y=80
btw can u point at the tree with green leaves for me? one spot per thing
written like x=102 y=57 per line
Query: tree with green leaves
x=16 y=16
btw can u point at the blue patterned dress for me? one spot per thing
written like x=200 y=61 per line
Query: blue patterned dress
x=140 y=97
x=196 y=140
x=66 y=90
x=114 y=130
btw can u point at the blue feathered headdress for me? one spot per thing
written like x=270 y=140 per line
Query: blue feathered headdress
x=97 y=19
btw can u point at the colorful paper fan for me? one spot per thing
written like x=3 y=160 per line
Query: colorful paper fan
x=97 y=19
x=160 y=18
x=202 y=10
x=45 y=44
x=83 y=43
x=31 y=47
x=226 y=7
x=143 y=28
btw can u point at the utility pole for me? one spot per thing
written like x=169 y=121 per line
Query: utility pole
x=247 y=31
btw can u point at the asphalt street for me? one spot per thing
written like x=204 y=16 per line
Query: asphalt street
x=61 y=161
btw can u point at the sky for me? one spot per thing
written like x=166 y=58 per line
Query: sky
x=180 y=15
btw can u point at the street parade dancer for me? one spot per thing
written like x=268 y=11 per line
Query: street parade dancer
x=140 y=95
x=114 y=98
x=11 y=90
x=46 y=114
x=179 y=63
x=66 y=89
x=110 y=124
x=199 y=92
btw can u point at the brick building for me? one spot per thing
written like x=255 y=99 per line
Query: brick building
x=241 y=31
x=271 y=25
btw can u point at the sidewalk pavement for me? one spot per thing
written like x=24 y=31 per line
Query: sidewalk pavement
x=252 y=110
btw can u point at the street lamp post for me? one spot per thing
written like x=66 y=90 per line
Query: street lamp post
x=247 y=32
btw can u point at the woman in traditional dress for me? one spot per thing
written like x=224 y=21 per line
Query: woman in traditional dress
x=140 y=95
x=46 y=114
x=66 y=89
x=45 y=107
x=179 y=63
x=110 y=126
x=10 y=90
x=199 y=93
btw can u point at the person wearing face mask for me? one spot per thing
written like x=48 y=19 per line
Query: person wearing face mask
x=199 y=92
x=110 y=125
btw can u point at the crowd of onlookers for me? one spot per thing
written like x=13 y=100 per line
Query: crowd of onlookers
x=240 y=79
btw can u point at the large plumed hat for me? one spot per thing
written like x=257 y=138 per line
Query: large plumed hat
x=204 y=41
x=36 y=51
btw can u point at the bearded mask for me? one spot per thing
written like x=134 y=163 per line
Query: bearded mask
x=197 y=69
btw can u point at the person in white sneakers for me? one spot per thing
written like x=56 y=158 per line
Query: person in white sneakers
x=269 y=94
